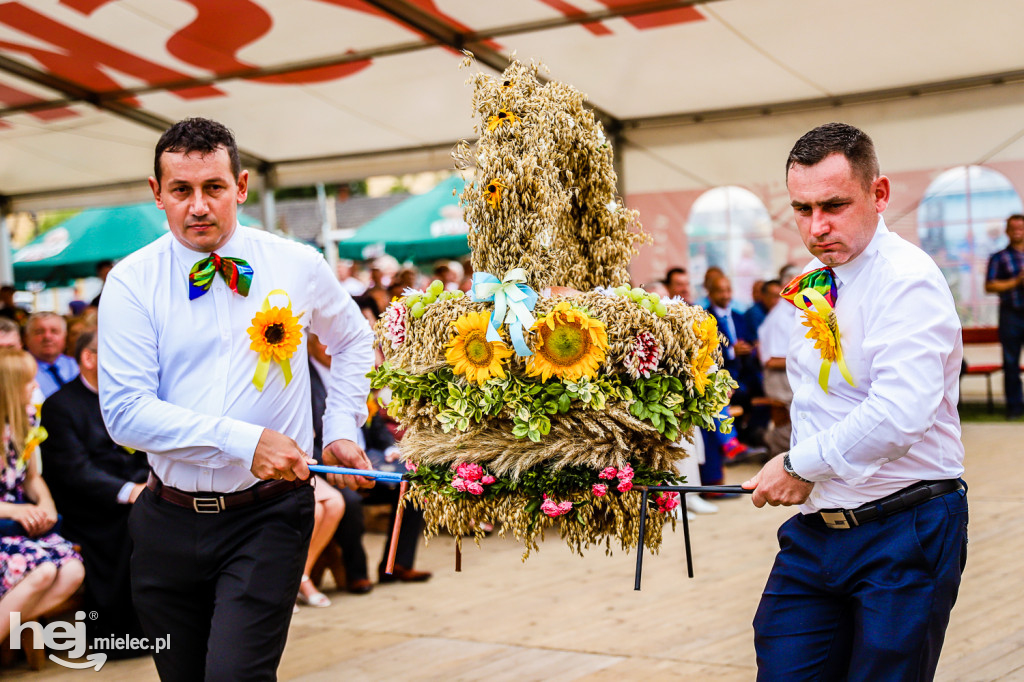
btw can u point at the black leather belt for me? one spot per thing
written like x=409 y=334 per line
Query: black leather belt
x=911 y=496
x=213 y=503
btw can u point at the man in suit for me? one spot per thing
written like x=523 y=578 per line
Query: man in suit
x=94 y=482
x=45 y=338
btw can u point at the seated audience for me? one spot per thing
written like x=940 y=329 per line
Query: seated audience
x=773 y=346
x=94 y=482
x=9 y=309
x=38 y=568
x=45 y=338
x=677 y=282
x=10 y=333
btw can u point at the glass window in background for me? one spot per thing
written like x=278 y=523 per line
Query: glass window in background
x=729 y=227
x=961 y=221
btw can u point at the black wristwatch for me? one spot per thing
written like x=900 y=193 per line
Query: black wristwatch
x=787 y=466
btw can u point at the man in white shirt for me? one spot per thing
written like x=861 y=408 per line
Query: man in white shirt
x=203 y=365
x=869 y=570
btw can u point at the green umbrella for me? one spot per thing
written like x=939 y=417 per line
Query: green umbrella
x=73 y=248
x=421 y=228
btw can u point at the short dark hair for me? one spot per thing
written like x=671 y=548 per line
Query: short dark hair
x=673 y=271
x=1015 y=216
x=83 y=341
x=837 y=138
x=770 y=283
x=197 y=135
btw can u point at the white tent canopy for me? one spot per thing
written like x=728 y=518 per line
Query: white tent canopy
x=697 y=93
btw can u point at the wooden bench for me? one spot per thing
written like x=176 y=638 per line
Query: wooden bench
x=978 y=336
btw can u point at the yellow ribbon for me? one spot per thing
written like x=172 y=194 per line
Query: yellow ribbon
x=36 y=435
x=828 y=314
x=259 y=379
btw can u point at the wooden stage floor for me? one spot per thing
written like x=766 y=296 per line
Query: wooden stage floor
x=562 y=617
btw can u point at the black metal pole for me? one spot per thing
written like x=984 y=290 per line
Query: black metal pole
x=640 y=540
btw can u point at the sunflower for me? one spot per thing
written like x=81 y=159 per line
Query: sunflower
x=707 y=333
x=501 y=117
x=275 y=334
x=470 y=353
x=824 y=332
x=570 y=344
x=494 y=188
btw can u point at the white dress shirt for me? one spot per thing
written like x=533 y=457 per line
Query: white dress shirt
x=176 y=375
x=773 y=334
x=901 y=340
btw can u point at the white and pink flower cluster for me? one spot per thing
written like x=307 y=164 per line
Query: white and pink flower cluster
x=394 y=323
x=624 y=476
x=553 y=509
x=470 y=478
x=643 y=355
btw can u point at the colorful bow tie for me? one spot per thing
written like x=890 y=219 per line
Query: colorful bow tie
x=822 y=280
x=815 y=293
x=235 y=271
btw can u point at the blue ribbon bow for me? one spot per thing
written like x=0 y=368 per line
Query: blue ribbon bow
x=513 y=301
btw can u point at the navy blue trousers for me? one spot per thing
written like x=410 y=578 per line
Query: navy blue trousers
x=1011 y=334
x=870 y=603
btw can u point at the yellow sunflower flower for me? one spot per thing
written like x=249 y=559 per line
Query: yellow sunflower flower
x=275 y=334
x=501 y=117
x=707 y=332
x=493 y=189
x=569 y=345
x=822 y=331
x=471 y=354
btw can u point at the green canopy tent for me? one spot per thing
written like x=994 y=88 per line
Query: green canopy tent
x=422 y=228
x=74 y=248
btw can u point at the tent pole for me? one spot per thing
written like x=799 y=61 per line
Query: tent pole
x=268 y=178
x=328 y=226
x=6 y=263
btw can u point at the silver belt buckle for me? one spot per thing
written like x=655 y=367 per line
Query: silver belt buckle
x=835 y=520
x=208 y=505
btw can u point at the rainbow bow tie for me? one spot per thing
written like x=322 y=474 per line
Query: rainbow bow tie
x=235 y=271
x=815 y=294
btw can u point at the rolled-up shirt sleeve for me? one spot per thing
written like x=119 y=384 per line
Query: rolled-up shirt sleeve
x=129 y=377
x=342 y=328
x=907 y=347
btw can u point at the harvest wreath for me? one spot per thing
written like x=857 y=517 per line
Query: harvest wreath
x=552 y=390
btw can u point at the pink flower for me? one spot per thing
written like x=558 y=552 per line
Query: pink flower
x=475 y=487
x=469 y=471
x=626 y=473
x=667 y=502
x=552 y=509
x=643 y=355
x=16 y=564
x=625 y=486
x=599 y=489
x=488 y=479
x=411 y=466
x=459 y=484
x=394 y=323
x=608 y=473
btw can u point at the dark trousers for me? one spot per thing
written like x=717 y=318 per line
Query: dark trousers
x=222 y=586
x=1011 y=335
x=349 y=535
x=870 y=603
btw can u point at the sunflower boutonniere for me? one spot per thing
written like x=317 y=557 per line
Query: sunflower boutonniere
x=276 y=335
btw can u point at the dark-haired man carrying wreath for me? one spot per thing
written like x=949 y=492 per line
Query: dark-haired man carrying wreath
x=868 y=571
x=202 y=360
